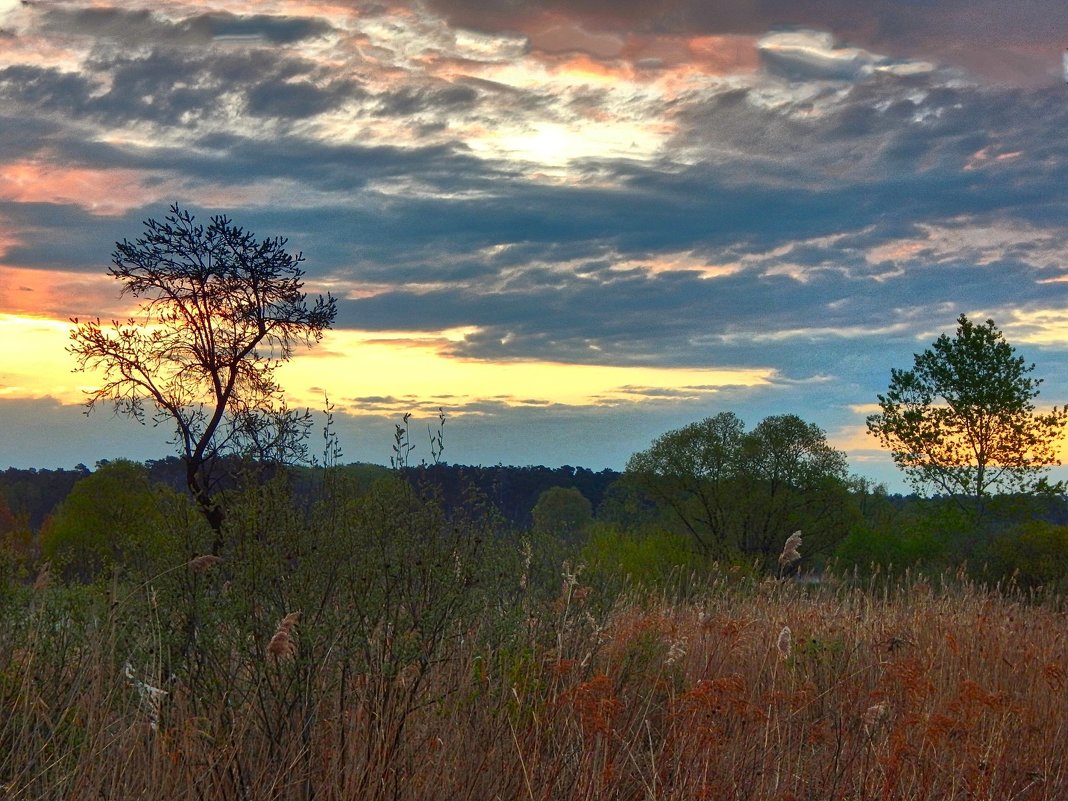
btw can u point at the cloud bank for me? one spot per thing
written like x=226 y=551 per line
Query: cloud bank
x=811 y=192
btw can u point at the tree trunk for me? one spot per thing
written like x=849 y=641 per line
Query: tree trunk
x=211 y=510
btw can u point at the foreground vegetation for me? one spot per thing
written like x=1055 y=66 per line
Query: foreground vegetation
x=370 y=645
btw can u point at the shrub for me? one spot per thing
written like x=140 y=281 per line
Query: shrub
x=649 y=557
x=1035 y=553
x=110 y=518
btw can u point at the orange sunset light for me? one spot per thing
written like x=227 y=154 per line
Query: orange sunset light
x=97 y=191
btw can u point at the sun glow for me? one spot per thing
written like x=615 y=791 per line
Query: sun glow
x=39 y=366
x=551 y=144
x=398 y=369
x=350 y=365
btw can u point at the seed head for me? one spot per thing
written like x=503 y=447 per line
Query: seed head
x=785 y=639
x=282 y=644
x=202 y=564
x=873 y=716
x=791 y=550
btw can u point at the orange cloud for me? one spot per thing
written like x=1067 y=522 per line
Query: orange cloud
x=557 y=35
x=583 y=69
x=719 y=55
x=104 y=192
x=57 y=294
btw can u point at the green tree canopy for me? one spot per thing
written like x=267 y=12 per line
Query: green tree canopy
x=562 y=512
x=110 y=517
x=963 y=422
x=739 y=491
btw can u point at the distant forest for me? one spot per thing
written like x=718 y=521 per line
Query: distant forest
x=32 y=494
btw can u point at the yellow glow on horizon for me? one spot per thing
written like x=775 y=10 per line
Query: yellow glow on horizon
x=35 y=363
x=352 y=364
x=413 y=368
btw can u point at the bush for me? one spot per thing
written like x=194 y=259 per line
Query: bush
x=111 y=518
x=650 y=557
x=890 y=550
x=1035 y=553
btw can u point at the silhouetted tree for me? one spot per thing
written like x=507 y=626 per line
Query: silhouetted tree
x=962 y=421
x=219 y=311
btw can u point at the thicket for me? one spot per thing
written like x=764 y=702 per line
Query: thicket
x=374 y=642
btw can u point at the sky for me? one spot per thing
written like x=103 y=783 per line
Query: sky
x=572 y=225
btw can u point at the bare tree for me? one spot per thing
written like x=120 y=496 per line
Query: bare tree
x=219 y=312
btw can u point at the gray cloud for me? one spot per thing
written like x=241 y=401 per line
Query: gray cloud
x=412 y=100
x=145 y=27
x=1017 y=44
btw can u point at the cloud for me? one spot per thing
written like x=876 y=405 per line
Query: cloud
x=296 y=99
x=142 y=26
x=1018 y=45
x=814 y=55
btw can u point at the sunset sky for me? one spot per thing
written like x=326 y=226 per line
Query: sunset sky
x=573 y=225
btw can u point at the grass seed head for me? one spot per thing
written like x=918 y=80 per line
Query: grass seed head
x=204 y=563
x=785 y=640
x=873 y=716
x=282 y=644
x=791 y=550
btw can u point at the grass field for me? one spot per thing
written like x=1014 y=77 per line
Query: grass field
x=915 y=690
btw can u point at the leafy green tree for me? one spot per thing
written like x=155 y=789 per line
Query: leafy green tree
x=737 y=491
x=691 y=471
x=1035 y=553
x=962 y=421
x=562 y=512
x=220 y=310
x=792 y=478
x=110 y=517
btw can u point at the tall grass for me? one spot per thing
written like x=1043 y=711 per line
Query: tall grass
x=425 y=664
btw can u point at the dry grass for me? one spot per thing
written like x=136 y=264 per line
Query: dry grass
x=913 y=693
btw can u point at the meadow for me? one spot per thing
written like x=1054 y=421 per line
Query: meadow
x=373 y=646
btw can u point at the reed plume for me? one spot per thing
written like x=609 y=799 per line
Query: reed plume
x=785 y=640
x=791 y=550
x=282 y=644
x=204 y=563
x=873 y=716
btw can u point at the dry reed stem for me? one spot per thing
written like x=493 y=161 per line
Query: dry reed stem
x=44 y=577
x=909 y=693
